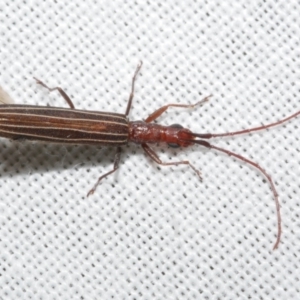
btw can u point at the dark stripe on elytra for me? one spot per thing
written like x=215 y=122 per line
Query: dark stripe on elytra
x=60 y=112
x=65 y=137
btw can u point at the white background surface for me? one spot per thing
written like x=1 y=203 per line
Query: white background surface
x=150 y=232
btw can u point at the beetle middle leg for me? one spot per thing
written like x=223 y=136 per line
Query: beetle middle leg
x=132 y=88
x=116 y=166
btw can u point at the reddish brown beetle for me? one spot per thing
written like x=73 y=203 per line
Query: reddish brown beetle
x=72 y=126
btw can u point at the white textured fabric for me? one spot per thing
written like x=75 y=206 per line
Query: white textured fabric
x=153 y=232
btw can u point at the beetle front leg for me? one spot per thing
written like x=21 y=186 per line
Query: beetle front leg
x=162 y=109
x=150 y=152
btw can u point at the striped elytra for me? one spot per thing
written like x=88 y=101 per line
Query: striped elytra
x=63 y=125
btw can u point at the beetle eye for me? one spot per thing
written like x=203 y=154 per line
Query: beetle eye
x=173 y=145
x=176 y=126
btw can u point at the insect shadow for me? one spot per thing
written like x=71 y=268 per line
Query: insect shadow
x=29 y=157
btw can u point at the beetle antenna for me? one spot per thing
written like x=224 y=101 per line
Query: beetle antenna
x=258 y=167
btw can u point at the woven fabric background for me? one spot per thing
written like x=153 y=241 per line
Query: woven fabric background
x=153 y=232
